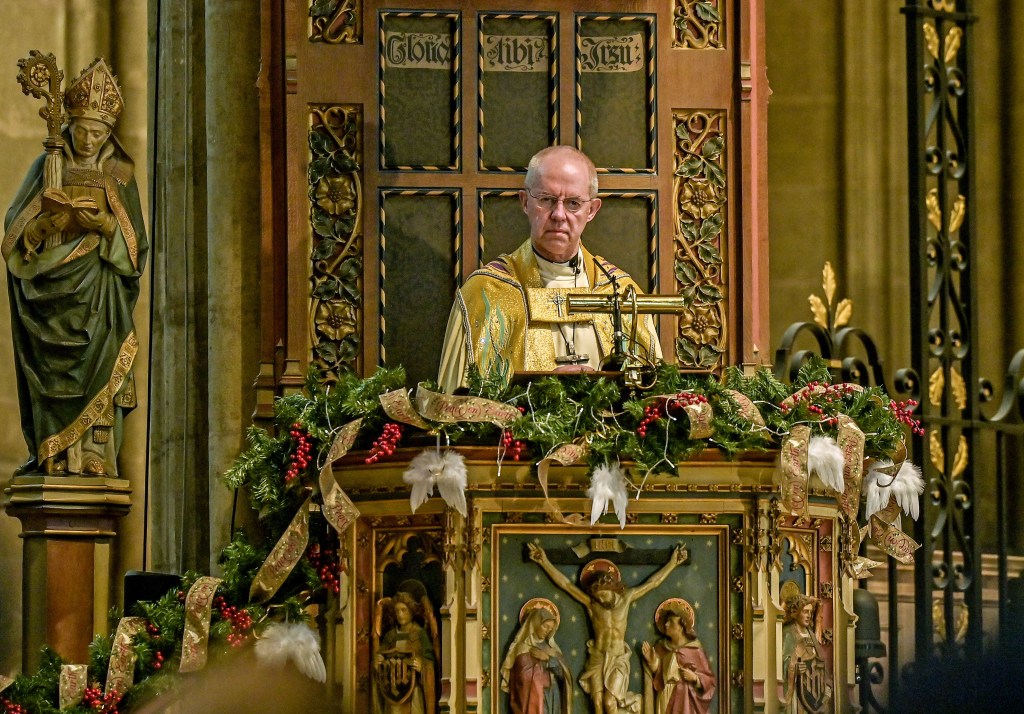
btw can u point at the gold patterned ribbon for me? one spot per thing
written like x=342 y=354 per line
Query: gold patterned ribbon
x=793 y=470
x=889 y=537
x=816 y=390
x=121 y=670
x=566 y=455
x=398 y=406
x=861 y=567
x=850 y=440
x=338 y=508
x=447 y=408
x=747 y=409
x=198 y=606
x=73 y=680
x=5 y=682
x=700 y=414
x=284 y=556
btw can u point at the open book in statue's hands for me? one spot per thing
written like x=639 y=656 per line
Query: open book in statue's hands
x=56 y=203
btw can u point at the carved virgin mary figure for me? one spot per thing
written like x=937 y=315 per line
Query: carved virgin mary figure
x=534 y=671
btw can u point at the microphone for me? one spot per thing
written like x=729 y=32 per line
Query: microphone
x=574 y=263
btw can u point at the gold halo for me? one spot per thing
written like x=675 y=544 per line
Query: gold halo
x=675 y=604
x=536 y=602
x=597 y=567
x=788 y=591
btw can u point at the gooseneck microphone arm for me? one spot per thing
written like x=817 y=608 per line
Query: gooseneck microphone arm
x=618 y=336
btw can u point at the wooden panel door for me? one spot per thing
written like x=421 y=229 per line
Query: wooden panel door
x=396 y=138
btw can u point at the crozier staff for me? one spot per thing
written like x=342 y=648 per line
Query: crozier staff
x=511 y=315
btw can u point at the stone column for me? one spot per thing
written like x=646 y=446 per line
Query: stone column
x=233 y=191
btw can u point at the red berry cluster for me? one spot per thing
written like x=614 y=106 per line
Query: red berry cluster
x=511 y=446
x=328 y=567
x=664 y=407
x=904 y=412
x=105 y=704
x=299 y=460
x=652 y=412
x=385 y=443
x=241 y=621
x=158 y=658
x=12 y=708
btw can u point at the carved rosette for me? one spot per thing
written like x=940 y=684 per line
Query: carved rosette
x=697 y=24
x=334 y=174
x=699 y=217
x=334 y=21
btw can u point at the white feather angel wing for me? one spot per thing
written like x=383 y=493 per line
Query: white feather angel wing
x=607 y=485
x=451 y=481
x=878 y=486
x=445 y=470
x=907 y=489
x=421 y=475
x=825 y=458
x=284 y=642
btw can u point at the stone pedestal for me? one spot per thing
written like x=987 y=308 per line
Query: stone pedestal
x=67 y=525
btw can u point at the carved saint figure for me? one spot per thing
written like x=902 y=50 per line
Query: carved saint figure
x=75 y=246
x=404 y=653
x=534 y=671
x=678 y=669
x=808 y=680
x=607 y=601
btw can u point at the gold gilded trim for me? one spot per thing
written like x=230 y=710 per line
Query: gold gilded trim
x=127 y=230
x=94 y=411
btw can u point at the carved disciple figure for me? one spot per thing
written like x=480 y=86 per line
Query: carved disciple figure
x=534 y=672
x=404 y=654
x=679 y=672
x=75 y=246
x=808 y=681
x=607 y=601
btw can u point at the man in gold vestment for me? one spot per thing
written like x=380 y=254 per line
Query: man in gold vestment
x=511 y=315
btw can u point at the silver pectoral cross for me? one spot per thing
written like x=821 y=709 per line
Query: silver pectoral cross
x=558 y=301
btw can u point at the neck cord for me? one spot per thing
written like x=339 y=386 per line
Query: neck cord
x=570 y=345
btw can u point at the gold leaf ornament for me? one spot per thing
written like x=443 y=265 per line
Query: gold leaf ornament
x=952 y=44
x=828 y=281
x=819 y=310
x=956 y=216
x=931 y=39
x=844 y=311
x=931 y=201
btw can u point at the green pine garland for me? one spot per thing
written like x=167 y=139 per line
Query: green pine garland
x=554 y=410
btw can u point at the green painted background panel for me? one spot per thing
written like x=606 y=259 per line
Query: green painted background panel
x=417 y=101
x=418 y=259
x=614 y=106
x=516 y=106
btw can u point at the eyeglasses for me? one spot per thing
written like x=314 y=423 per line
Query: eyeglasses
x=548 y=202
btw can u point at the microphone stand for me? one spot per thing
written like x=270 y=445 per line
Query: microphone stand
x=617 y=359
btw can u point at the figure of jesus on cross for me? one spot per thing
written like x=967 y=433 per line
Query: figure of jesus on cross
x=607 y=601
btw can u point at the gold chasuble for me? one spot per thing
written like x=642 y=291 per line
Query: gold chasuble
x=512 y=316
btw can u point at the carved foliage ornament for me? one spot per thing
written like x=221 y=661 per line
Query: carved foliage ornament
x=334 y=176
x=334 y=21
x=697 y=24
x=699 y=187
